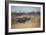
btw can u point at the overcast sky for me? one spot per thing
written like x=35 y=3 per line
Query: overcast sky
x=25 y=9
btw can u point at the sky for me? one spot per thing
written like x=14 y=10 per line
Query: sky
x=25 y=9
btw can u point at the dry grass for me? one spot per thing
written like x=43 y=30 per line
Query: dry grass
x=34 y=22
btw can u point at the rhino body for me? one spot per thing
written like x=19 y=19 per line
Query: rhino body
x=23 y=19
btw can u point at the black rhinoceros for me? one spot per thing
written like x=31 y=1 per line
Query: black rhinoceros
x=22 y=19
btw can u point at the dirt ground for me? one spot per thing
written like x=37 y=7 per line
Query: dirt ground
x=34 y=22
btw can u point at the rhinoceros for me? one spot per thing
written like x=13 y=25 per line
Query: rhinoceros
x=22 y=19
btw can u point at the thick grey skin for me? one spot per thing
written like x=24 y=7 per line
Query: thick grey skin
x=22 y=20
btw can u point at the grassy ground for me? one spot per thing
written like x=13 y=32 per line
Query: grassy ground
x=34 y=22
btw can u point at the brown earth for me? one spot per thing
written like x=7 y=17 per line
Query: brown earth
x=34 y=22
